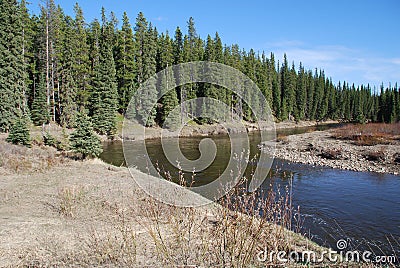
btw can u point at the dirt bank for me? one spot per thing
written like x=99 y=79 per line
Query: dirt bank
x=321 y=148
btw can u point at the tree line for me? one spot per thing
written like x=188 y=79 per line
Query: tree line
x=54 y=67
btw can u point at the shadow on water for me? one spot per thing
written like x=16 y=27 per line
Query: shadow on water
x=360 y=207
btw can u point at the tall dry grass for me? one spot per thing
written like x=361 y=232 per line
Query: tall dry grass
x=227 y=234
x=20 y=159
x=369 y=134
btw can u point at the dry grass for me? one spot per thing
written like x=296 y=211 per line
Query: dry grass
x=70 y=198
x=20 y=159
x=282 y=138
x=369 y=134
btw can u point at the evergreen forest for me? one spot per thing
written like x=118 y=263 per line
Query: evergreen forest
x=54 y=67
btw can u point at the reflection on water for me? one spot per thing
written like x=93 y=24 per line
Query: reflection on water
x=363 y=207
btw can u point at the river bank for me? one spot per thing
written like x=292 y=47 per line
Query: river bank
x=55 y=211
x=135 y=131
x=320 y=148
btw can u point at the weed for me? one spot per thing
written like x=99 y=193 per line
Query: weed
x=70 y=197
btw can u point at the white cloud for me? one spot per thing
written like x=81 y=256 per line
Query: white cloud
x=396 y=61
x=340 y=62
x=160 y=18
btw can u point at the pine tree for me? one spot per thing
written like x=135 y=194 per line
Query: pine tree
x=94 y=37
x=288 y=80
x=209 y=90
x=145 y=56
x=40 y=110
x=28 y=36
x=125 y=64
x=178 y=46
x=301 y=95
x=19 y=132
x=67 y=86
x=105 y=96
x=51 y=25
x=80 y=63
x=276 y=89
x=310 y=95
x=83 y=140
x=169 y=99
x=12 y=64
x=264 y=78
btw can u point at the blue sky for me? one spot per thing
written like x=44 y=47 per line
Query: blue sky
x=352 y=40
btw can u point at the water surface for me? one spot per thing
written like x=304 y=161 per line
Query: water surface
x=361 y=207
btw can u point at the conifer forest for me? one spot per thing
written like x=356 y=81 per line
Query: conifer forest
x=54 y=67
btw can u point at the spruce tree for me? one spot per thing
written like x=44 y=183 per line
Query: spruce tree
x=28 y=35
x=40 y=110
x=145 y=56
x=178 y=46
x=276 y=90
x=288 y=77
x=83 y=140
x=310 y=95
x=301 y=95
x=80 y=63
x=105 y=95
x=19 y=132
x=169 y=99
x=12 y=64
x=125 y=64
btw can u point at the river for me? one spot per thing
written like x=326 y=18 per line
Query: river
x=361 y=207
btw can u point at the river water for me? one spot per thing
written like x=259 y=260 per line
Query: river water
x=361 y=207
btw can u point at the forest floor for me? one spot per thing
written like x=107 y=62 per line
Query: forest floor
x=55 y=211
x=370 y=147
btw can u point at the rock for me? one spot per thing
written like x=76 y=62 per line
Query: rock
x=396 y=158
x=375 y=156
x=331 y=154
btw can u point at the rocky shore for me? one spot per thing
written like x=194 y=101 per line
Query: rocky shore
x=322 y=149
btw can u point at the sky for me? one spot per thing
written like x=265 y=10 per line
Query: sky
x=352 y=40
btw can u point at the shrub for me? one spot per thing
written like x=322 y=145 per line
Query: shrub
x=50 y=140
x=368 y=134
x=282 y=138
x=19 y=133
x=83 y=140
x=331 y=154
x=375 y=156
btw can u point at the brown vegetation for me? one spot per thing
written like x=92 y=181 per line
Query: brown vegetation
x=369 y=134
x=331 y=154
x=375 y=155
x=20 y=159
